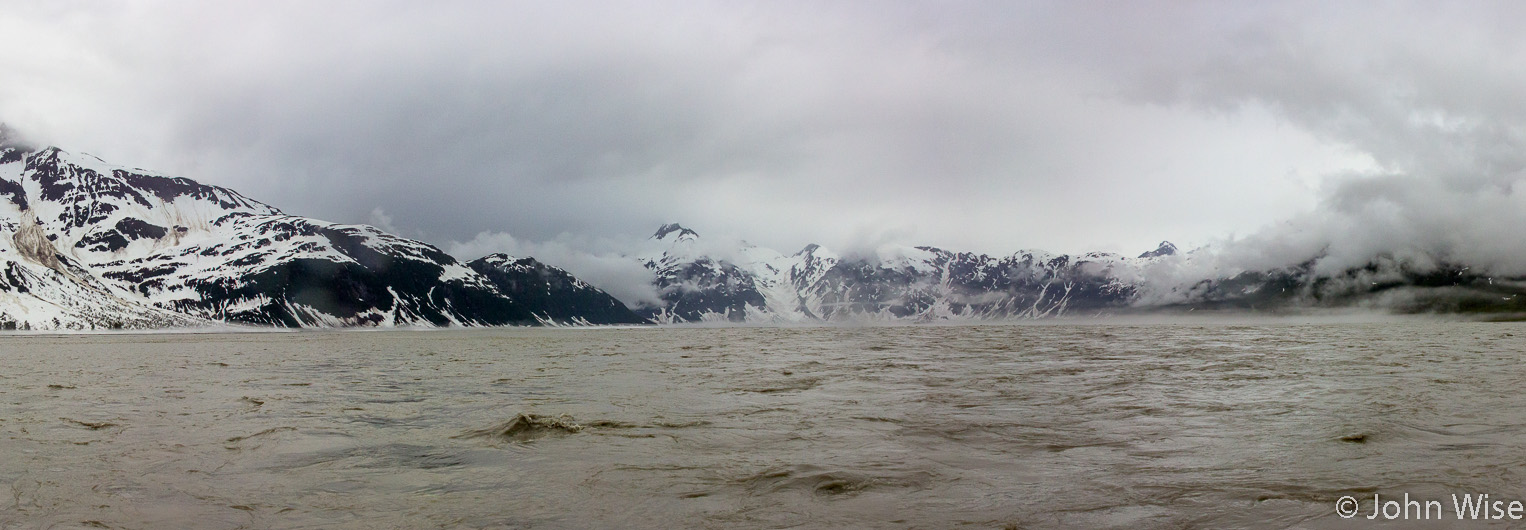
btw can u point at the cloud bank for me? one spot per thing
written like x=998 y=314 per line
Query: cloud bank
x=614 y=272
x=974 y=125
x=1269 y=133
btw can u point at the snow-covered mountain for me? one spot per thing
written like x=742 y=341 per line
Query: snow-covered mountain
x=698 y=283
x=86 y=244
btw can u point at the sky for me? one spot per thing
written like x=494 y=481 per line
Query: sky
x=1267 y=130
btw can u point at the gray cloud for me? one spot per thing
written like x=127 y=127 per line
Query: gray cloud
x=1429 y=93
x=1299 y=127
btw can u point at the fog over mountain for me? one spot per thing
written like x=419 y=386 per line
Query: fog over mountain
x=1317 y=136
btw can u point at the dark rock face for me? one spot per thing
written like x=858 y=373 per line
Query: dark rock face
x=303 y=292
x=1165 y=249
x=674 y=230
x=13 y=192
x=124 y=233
x=692 y=290
x=169 y=189
x=1383 y=283
x=552 y=294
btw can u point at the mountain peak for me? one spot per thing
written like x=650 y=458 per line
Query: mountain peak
x=684 y=234
x=1165 y=249
x=498 y=258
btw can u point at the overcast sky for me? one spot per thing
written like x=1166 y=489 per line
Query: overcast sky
x=986 y=126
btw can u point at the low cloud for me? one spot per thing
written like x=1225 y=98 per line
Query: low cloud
x=380 y=219
x=1429 y=94
x=615 y=273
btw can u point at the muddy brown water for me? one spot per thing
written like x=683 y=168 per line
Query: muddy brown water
x=997 y=426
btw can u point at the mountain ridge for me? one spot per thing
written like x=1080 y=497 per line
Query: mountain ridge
x=85 y=244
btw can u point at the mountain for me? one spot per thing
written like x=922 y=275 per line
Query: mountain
x=554 y=294
x=695 y=287
x=702 y=283
x=87 y=245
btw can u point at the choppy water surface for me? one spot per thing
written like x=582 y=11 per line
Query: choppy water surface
x=931 y=427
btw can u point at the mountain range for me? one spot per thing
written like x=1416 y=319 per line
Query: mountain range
x=89 y=245
x=757 y=284
x=85 y=244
